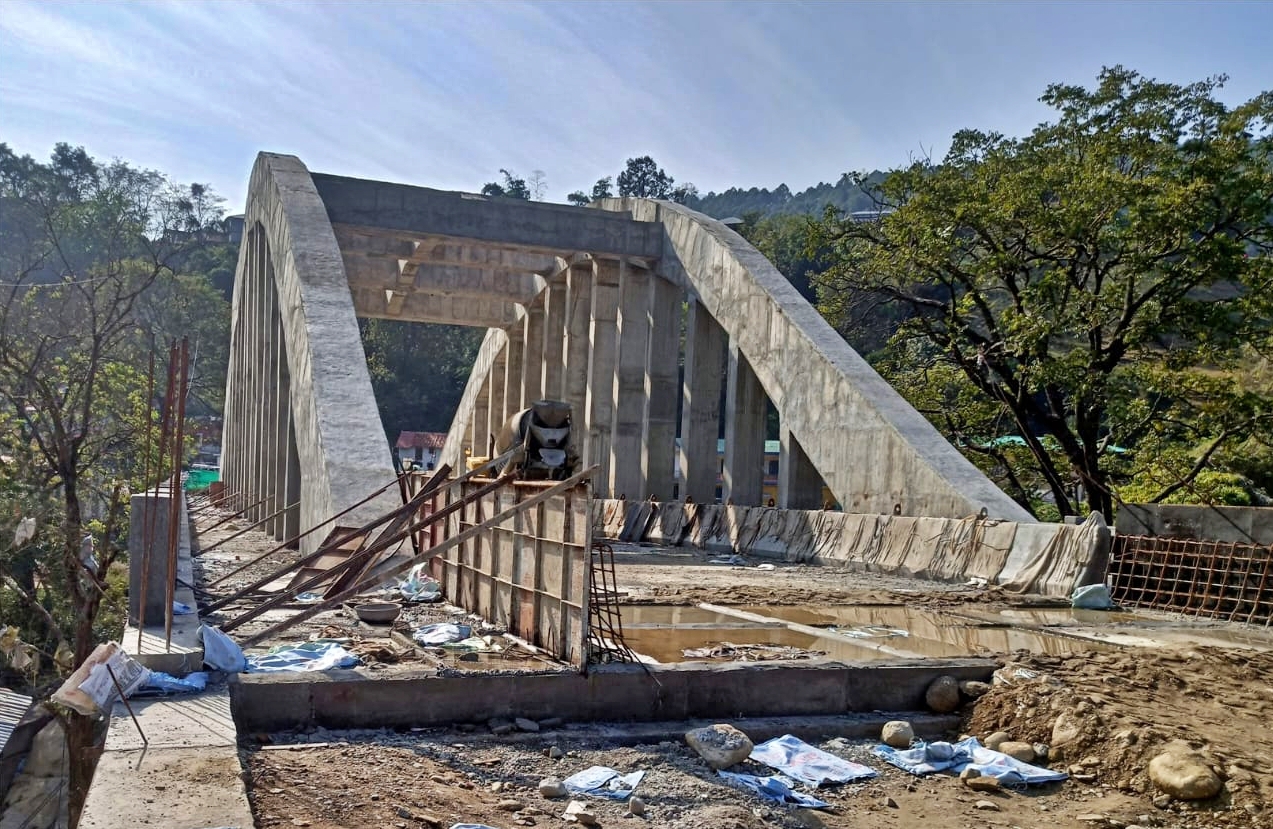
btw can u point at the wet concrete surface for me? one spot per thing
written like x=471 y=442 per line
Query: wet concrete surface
x=878 y=632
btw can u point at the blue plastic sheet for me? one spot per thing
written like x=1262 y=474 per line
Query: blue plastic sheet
x=775 y=789
x=319 y=655
x=168 y=684
x=927 y=758
x=600 y=781
x=813 y=766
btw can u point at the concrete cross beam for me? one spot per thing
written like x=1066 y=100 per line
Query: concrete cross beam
x=412 y=306
x=533 y=225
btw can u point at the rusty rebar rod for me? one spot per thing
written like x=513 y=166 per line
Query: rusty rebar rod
x=152 y=501
x=298 y=537
x=145 y=482
x=174 y=491
x=249 y=527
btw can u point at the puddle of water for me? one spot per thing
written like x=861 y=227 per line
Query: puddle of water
x=851 y=633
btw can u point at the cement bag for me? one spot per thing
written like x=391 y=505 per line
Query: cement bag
x=1091 y=597
x=90 y=689
x=220 y=652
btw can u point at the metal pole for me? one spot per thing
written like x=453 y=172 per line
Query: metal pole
x=249 y=527
x=289 y=542
x=145 y=482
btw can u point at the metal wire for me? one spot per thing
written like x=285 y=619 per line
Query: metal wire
x=1215 y=579
x=605 y=622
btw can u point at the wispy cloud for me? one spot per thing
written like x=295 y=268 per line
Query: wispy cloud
x=446 y=93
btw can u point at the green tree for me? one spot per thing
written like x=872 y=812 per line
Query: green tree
x=81 y=245
x=644 y=178
x=418 y=372
x=1101 y=281
x=512 y=188
x=603 y=189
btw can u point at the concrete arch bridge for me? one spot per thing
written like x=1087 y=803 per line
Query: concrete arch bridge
x=599 y=306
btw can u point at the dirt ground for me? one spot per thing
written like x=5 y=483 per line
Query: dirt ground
x=1128 y=704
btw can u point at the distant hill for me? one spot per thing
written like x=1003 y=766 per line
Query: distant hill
x=780 y=201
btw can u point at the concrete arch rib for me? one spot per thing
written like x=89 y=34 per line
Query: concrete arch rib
x=340 y=445
x=870 y=446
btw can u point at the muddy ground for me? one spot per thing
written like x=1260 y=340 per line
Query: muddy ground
x=1131 y=704
x=1128 y=704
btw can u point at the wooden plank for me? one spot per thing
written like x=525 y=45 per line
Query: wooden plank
x=380 y=576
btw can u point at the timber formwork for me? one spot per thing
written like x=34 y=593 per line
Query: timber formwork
x=1211 y=579
x=530 y=572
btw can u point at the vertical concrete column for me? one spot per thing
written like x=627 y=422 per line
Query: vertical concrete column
x=513 y=367
x=744 y=474
x=282 y=431
x=252 y=420
x=495 y=380
x=533 y=352
x=799 y=484
x=598 y=417
x=264 y=379
x=554 y=337
x=292 y=523
x=627 y=450
x=705 y=345
x=662 y=393
x=270 y=438
x=575 y=350
x=230 y=419
x=481 y=419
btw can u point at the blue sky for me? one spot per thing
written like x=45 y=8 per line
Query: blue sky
x=445 y=94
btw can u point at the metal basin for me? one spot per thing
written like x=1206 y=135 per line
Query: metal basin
x=378 y=612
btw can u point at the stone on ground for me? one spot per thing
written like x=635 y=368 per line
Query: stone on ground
x=524 y=724
x=1184 y=775
x=552 y=787
x=897 y=734
x=996 y=739
x=973 y=688
x=636 y=806
x=720 y=745
x=986 y=806
x=1017 y=750
x=577 y=812
x=974 y=780
x=943 y=694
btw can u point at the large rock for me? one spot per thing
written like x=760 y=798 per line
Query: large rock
x=943 y=694
x=996 y=739
x=1066 y=730
x=1018 y=750
x=1184 y=775
x=720 y=745
x=897 y=734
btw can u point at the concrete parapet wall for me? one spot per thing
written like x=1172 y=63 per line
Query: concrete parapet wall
x=345 y=699
x=1051 y=559
x=1232 y=525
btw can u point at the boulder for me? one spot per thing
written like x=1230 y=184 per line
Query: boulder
x=974 y=780
x=897 y=734
x=1184 y=775
x=996 y=739
x=578 y=812
x=1017 y=750
x=552 y=787
x=1066 y=729
x=943 y=694
x=720 y=745
x=973 y=688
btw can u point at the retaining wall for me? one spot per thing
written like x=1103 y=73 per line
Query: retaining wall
x=1051 y=559
x=609 y=693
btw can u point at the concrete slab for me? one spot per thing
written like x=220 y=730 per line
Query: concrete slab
x=199 y=721
x=173 y=788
